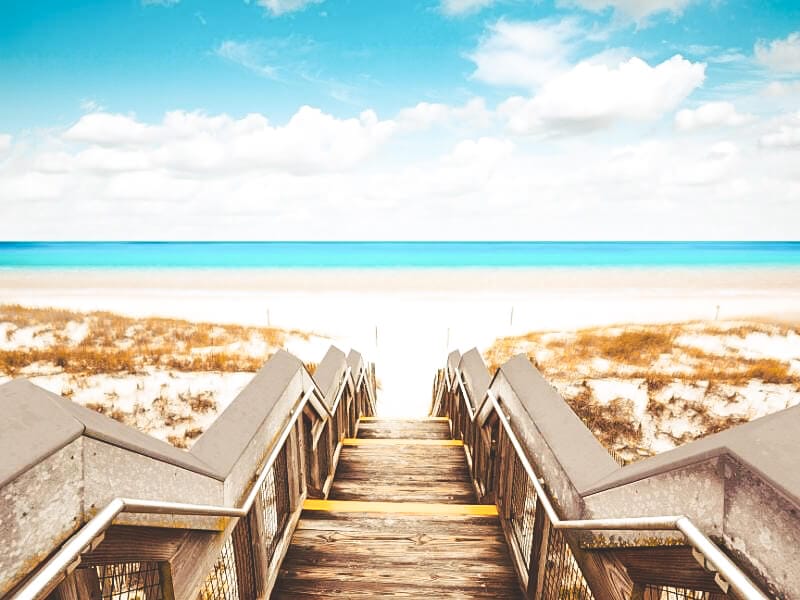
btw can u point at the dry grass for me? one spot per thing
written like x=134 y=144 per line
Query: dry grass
x=634 y=347
x=23 y=316
x=179 y=441
x=200 y=403
x=656 y=356
x=116 y=344
x=613 y=424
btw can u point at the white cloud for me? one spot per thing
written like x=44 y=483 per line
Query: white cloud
x=592 y=96
x=426 y=115
x=782 y=88
x=710 y=114
x=196 y=176
x=190 y=141
x=461 y=7
x=780 y=55
x=5 y=142
x=637 y=10
x=524 y=54
x=246 y=54
x=483 y=153
x=108 y=129
x=279 y=7
x=786 y=134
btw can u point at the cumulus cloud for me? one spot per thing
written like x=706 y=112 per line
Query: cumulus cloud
x=107 y=129
x=426 y=115
x=462 y=7
x=279 y=7
x=780 y=55
x=591 y=96
x=710 y=114
x=524 y=54
x=190 y=141
x=785 y=135
x=191 y=175
x=637 y=10
x=483 y=187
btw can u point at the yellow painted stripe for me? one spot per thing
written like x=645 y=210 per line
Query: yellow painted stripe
x=399 y=442
x=390 y=419
x=406 y=508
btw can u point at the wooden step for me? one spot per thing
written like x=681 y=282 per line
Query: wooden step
x=401 y=520
x=371 y=556
x=404 y=473
x=404 y=428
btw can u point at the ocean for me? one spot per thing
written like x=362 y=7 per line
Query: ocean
x=382 y=255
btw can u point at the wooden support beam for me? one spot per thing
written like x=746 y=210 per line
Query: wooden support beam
x=538 y=560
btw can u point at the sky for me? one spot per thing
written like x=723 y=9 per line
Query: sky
x=399 y=119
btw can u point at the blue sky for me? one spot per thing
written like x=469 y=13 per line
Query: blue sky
x=567 y=115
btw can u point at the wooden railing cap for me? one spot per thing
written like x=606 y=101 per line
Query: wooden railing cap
x=769 y=446
x=581 y=456
x=476 y=376
x=227 y=438
x=329 y=372
x=38 y=423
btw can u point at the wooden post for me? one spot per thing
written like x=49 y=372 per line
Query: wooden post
x=165 y=575
x=259 y=545
x=538 y=560
x=81 y=584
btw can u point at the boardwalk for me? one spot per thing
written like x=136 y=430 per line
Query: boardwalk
x=401 y=520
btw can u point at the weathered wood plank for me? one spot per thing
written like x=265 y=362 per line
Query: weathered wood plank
x=395 y=554
x=647 y=566
x=403 y=474
x=409 y=556
x=411 y=428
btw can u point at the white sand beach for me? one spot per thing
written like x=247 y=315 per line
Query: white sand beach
x=408 y=320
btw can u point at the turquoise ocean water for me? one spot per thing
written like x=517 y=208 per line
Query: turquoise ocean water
x=243 y=255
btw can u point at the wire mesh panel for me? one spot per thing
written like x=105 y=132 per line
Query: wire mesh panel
x=275 y=503
x=243 y=549
x=653 y=592
x=523 y=508
x=563 y=579
x=221 y=583
x=130 y=581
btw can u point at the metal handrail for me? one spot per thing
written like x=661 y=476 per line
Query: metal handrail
x=718 y=560
x=82 y=541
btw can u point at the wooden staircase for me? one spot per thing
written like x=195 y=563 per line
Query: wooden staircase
x=401 y=520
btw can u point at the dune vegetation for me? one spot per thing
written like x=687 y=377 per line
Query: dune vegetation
x=167 y=377
x=644 y=389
